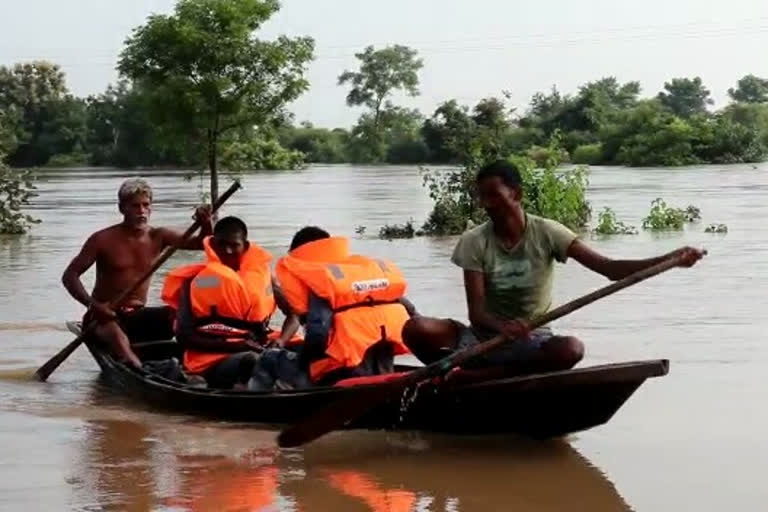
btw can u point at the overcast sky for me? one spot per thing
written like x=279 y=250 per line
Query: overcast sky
x=471 y=48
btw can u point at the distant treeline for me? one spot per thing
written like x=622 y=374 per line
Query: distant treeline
x=605 y=122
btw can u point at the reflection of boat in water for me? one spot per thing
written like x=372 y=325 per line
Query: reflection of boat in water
x=539 y=406
x=128 y=465
x=449 y=474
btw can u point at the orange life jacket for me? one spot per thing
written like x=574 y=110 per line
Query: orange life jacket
x=223 y=301
x=361 y=291
x=227 y=487
x=379 y=499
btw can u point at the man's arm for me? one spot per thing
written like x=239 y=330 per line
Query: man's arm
x=291 y=323
x=409 y=306
x=479 y=316
x=619 y=269
x=204 y=217
x=77 y=267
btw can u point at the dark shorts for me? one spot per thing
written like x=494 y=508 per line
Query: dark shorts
x=235 y=369
x=279 y=368
x=144 y=323
x=519 y=351
x=283 y=368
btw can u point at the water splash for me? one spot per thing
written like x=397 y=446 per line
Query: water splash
x=407 y=399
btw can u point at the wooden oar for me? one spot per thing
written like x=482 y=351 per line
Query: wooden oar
x=50 y=366
x=343 y=411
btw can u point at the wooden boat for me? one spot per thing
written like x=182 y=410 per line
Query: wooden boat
x=538 y=406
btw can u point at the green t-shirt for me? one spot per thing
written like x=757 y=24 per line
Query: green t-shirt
x=518 y=282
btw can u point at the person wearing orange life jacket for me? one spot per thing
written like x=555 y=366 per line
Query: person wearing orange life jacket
x=223 y=307
x=353 y=309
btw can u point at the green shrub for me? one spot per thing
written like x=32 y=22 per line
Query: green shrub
x=68 y=160
x=16 y=189
x=608 y=224
x=663 y=217
x=260 y=154
x=548 y=191
x=591 y=154
x=392 y=231
x=716 y=228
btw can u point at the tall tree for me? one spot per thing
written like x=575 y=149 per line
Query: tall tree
x=49 y=120
x=9 y=119
x=449 y=132
x=750 y=89
x=382 y=72
x=211 y=75
x=685 y=97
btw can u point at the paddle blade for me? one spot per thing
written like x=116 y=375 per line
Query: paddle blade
x=47 y=369
x=338 y=414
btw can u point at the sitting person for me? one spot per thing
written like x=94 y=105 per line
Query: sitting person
x=122 y=254
x=353 y=309
x=223 y=307
x=508 y=264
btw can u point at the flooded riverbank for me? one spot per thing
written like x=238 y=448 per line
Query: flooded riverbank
x=691 y=440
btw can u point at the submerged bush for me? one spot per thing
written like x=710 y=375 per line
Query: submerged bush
x=716 y=228
x=16 y=189
x=392 y=231
x=548 y=191
x=663 y=217
x=692 y=213
x=608 y=224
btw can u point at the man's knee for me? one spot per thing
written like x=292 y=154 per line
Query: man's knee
x=568 y=350
x=247 y=364
x=108 y=331
x=421 y=331
x=415 y=328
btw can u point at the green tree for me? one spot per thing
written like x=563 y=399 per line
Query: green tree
x=9 y=119
x=582 y=116
x=121 y=131
x=750 y=89
x=211 y=75
x=493 y=114
x=381 y=73
x=685 y=97
x=16 y=189
x=48 y=120
x=448 y=133
x=393 y=138
x=319 y=145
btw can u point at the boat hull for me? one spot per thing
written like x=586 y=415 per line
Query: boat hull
x=539 y=406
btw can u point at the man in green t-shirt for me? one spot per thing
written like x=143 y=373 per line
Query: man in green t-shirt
x=508 y=265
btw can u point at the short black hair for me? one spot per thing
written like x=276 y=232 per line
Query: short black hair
x=308 y=234
x=507 y=171
x=229 y=226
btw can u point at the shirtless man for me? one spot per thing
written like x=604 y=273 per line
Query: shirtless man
x=123 y=253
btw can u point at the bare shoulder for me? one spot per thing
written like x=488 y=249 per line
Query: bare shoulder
x=164 y=236
x=160 y=232
x=104 y=236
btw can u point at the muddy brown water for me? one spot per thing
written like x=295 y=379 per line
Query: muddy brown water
x=693 y=440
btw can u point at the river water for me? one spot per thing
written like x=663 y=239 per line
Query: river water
x=693 y=440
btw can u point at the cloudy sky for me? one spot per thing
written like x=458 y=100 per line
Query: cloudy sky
x=471 y=48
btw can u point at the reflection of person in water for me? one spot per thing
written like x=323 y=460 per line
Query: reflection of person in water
x=356 y=472
x=125 y=468
x=221 y=483
x=455 y=474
